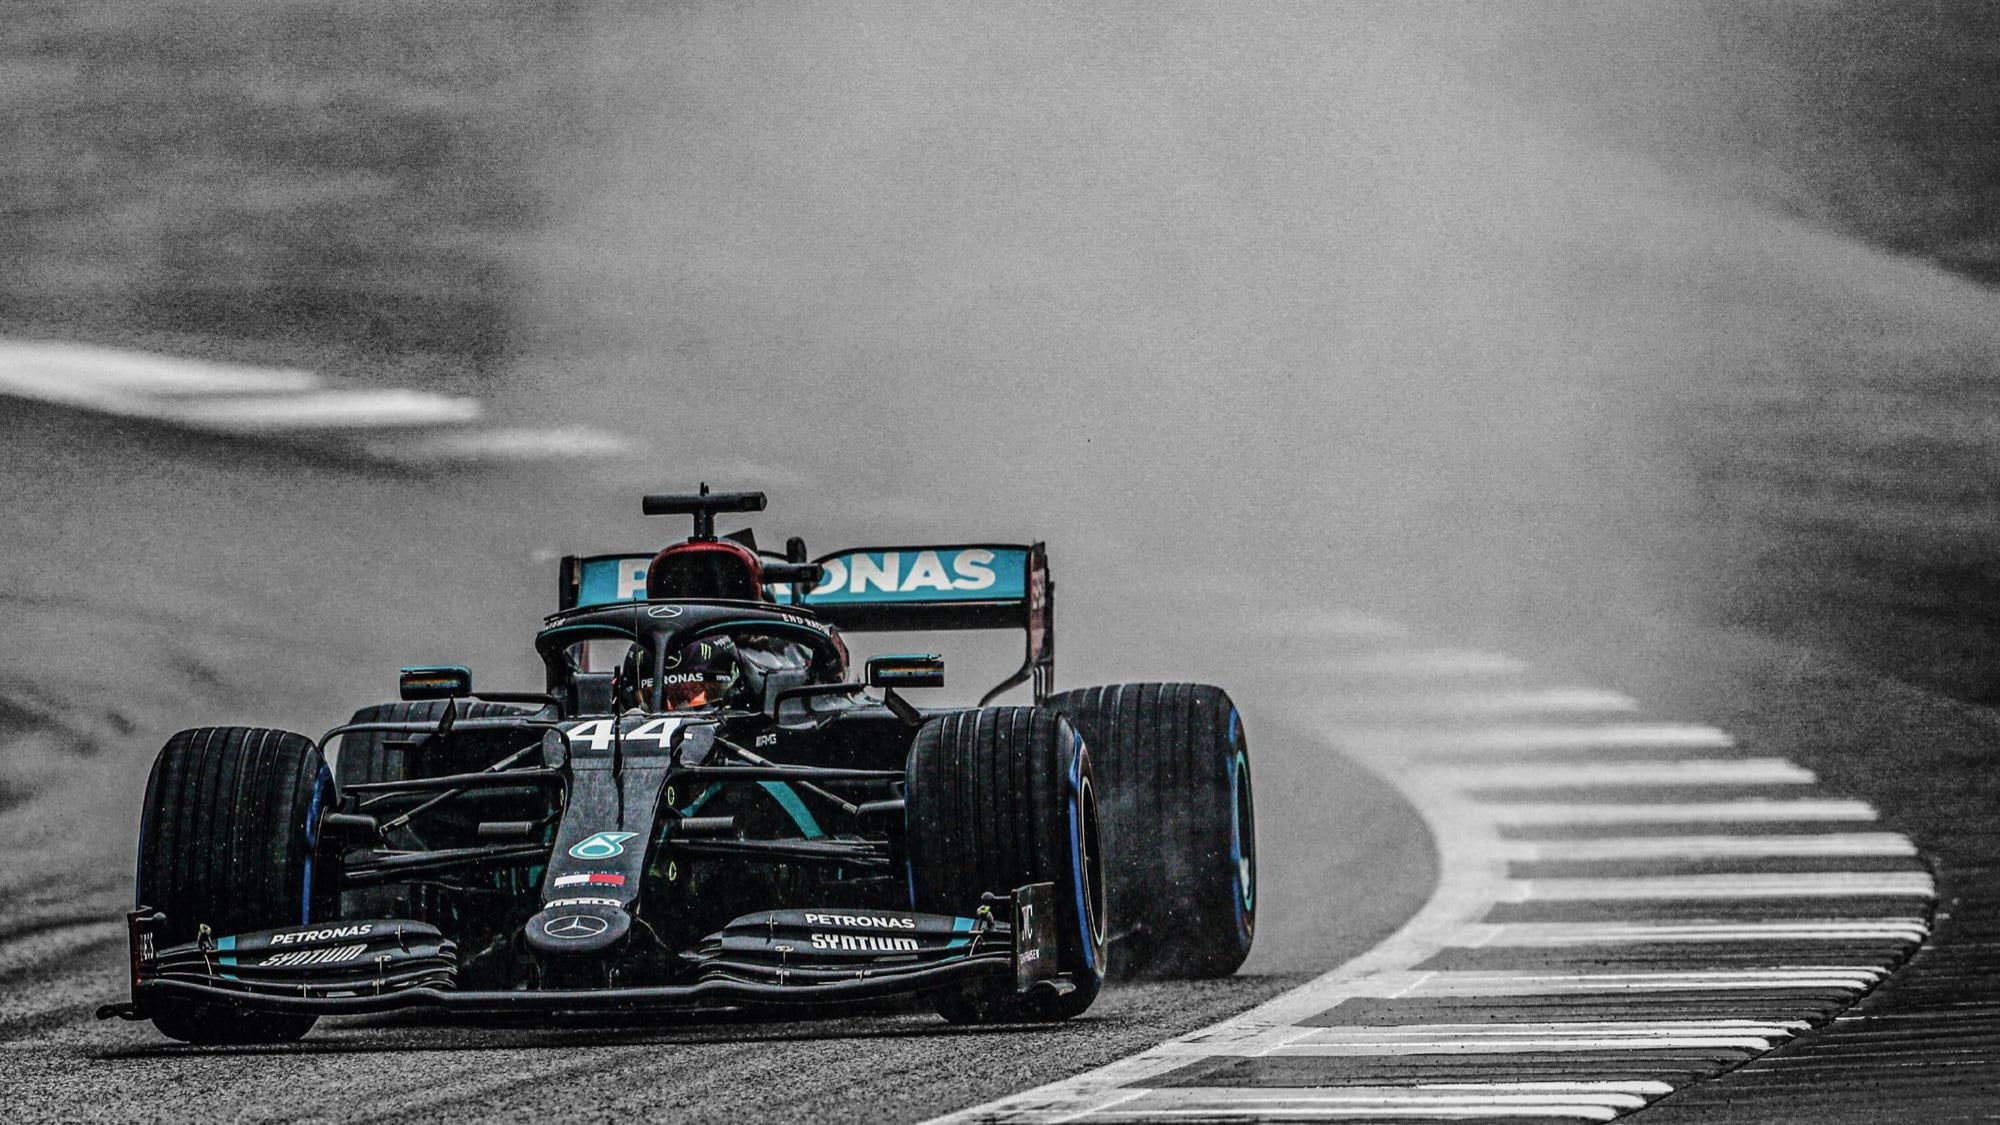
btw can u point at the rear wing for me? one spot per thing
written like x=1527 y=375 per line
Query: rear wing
x=887 y=589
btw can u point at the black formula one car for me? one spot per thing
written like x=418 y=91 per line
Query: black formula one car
x=704 y=809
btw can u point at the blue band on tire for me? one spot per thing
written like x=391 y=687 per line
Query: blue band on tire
x=1076 y=851
x=1245 y=898
x=312 y=845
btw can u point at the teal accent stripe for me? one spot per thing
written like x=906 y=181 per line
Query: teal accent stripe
x=960 y=926
x=226 y=943
x=784 y=794
x=788 y=799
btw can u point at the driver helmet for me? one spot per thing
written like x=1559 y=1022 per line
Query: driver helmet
x=698 y=674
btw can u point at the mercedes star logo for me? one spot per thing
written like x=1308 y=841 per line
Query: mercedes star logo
x=574 y=927
x=666 y=611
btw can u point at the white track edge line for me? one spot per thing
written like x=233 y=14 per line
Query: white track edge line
x=1463 y=892
x=1471 y=878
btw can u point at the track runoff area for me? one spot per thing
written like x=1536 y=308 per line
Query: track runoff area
x=268 y=404
x=1625 y=907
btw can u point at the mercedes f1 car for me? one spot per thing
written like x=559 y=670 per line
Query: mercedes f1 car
x=704 y=808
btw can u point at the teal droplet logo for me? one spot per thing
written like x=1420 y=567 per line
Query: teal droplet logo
x=603 y=845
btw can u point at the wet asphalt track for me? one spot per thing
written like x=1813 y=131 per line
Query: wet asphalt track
x=278 y=591
x=1244 y=315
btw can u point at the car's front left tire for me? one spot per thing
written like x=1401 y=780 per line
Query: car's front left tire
x=999 y=798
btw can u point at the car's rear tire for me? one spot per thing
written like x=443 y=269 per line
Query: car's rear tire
x=999 y=798
x=374 y=756
x=1180 y=821
x=229 y=839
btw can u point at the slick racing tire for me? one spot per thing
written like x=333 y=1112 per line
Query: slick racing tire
x=229 y=840
x=371 y=756
x=998 y=798
x=1174 y=769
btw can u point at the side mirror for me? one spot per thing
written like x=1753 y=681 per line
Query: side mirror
x=594 y=693
x=444 y=681
x=906 y=670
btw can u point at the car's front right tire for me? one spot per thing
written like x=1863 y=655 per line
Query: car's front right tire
x=229 y=839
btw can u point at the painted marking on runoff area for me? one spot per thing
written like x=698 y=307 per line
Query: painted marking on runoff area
x=1648 y=847
x=1601 y=737
x=1423 y=984
x=245 y=401
x=1548 y=934
x=211 y=396
x=1623 y=908
x=1803 y=884
x=1344 y=625
x=1421 y=661
x=1749 y=810
x=1486 y=704
x=1696 y=771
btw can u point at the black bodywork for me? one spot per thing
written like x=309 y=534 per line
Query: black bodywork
x=594 y=851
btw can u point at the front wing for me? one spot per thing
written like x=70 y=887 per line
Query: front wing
x=372 y=966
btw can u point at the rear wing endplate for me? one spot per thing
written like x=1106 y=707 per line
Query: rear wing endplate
x=887 y=589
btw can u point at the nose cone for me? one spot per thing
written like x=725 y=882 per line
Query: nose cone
x=568 y=930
